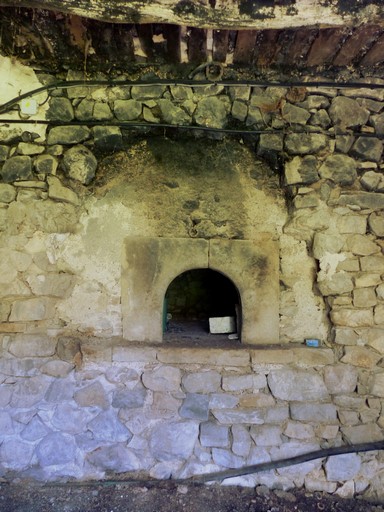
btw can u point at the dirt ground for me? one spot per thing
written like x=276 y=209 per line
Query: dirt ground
x=167 y=496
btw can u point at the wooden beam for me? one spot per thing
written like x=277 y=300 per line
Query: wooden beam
x=228 y=14
x=357 y=44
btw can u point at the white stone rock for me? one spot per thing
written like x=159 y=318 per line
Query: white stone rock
x=298 y=385
x=202 y=382
x=342 y=467
x=173 y=441
x=340 y=379
x=163 y=378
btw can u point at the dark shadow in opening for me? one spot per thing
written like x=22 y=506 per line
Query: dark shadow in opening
x=195 y=296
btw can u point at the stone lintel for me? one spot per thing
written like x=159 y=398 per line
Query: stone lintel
x=205 y=356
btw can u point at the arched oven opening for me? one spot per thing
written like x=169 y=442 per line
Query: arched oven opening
x=202 y=304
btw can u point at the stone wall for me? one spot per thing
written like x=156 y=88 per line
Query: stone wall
x=76 y=400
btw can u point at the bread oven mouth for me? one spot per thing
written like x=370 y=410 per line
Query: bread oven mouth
x=202 y=304
x=244 y=271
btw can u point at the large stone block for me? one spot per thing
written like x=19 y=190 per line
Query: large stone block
x=92 y=395
x=163 y=378
x=298 y=385
x=195 y=407
x=16 y=168
x=342 y=467
x=363 y=357
x=32 y=345
x=117 y=458
x=212 y=434
x=340 y=379
x=352 y=317
x=316 y=413
x=169 y=441
x=80 y=164
x=56 y=448
x=202 y=382
x=68 y=135
x=340 y=169
x=239 y=416
x=361 y=245
x=347 y=112
x=368 y=433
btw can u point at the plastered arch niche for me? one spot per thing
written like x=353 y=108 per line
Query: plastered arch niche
x=151 y=264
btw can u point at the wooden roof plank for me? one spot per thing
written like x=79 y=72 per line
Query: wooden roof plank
x=326 y=44
x=358 y=43
x=245 y=46
x=375 y=55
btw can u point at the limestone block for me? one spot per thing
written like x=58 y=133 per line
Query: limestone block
x=243 y=382
x=362 y=357
x=29 y=391
x=7 y=193
x=349 y=401
x=213 y=435
x=347 y=112
x=56 y=448
x=173 y=114
x=239 y=110
x=371 y=180
x=301 y=170
x=35 y=430
x=305 y=143
x=365 y=280
x=327 y=431
x=5 y=394
x=102 y=112
x=68 y=135
x=202 y=382
x=372 y=263
x=298 y=385
x=125 y=354
x=195 y=407
x=68 y=349
x=277 y=414
x=127 y=110
x=164 y=405
x=352 y=317
x=239 y=416
x=368 y=433
x=315 y=483
x=361 y=245
x=52 y=284
x=222 y=401
x=241 y=440
x=32 y=345
x=148 y=92
x=339 y=168
x=320 y=118
x=311 y=357
x=367 y=148
x=256 y=400
x=45 y=164
x=225 y=458
x=318 y=413
x=60 y=109
x=342 y=467
x=335 y=284
x=266 y=435
x=379 y=314
x=57 y=368
x=163 y=378
x=377 y=384
x=57 y=191
x=92 y=395
x=350 y=264
x=210 y=112
x=70 y=418
x=352 y=224
x=170 y=441
x=16 y=454
x=347 y=490
x=117 y=458
x=340 y=379
x=16 y=168
x=60 y=390
x=206 y=356
x=298 y=430
x=80 y=164
x=323 y=243
x=376 y=223
x=371 y=200
x=107 y=137
x=31 y=309
x=364 y=297
x=310 y=200
x=107 y=427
